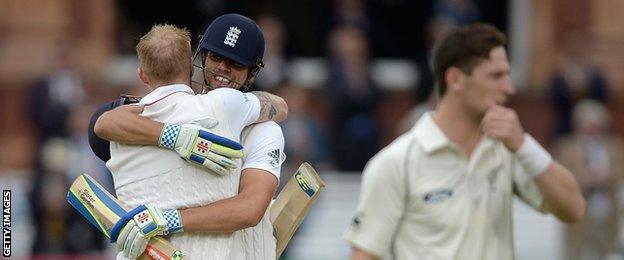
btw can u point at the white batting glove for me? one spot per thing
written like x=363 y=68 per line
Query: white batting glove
x=196 y=145
x=134 y=230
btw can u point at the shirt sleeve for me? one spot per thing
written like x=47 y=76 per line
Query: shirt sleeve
x=241 y=109
x=99 y=146
x=525 y=187
x=263 y=147
x=381 y=206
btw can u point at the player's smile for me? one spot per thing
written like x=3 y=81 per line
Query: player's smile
x=220 y=80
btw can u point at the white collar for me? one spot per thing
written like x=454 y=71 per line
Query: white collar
x=429 y=135
x=161 y=92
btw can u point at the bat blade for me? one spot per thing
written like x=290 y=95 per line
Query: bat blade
x=293 y=203
x=103 y=210
x=95 y=203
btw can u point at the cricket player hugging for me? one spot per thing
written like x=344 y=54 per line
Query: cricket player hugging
x=150 y=175
x=154 y=181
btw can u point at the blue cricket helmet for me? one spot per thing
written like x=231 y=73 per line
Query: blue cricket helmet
x=236 y=37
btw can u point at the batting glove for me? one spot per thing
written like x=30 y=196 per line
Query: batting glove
x=198 y=146
x=134 y=230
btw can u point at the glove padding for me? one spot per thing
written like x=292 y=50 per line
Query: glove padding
x=196 y=145
x=134 y=230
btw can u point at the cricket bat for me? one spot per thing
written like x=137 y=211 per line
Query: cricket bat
x=293 y=203
x=103 y=210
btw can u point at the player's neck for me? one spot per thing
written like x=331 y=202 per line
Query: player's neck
x=458 y=125
x=180 y=80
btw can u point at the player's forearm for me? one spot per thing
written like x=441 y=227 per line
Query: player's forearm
x=562 y=194
x=244 y=210
x=358 y=254
x=125 y=125
x=560 y=190
x=227 y=215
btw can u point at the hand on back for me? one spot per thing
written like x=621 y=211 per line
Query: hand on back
x=197 y=145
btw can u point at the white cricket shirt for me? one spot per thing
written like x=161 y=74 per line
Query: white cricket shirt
x=422 y=199
x=263 y=146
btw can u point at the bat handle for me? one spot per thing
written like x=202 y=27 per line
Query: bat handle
x=159 y=248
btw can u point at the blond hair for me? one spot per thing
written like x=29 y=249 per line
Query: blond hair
x=165 y=53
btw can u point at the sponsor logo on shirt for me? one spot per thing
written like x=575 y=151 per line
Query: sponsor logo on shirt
x=492 y=176
x=355 y=223
x=275 y=155
x=437 y=196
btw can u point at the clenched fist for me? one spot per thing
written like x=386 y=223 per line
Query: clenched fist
x=502 y=123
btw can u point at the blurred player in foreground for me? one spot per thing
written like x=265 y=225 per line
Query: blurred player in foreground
x=242 y=206
x=444 y=189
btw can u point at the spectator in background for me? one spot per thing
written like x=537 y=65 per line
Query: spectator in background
x=274 y=54
x=53 y=209
x=354 y=99
x=51 y=100
x=306 y=140
x=575 y=78
x=62 y=160
x=82 y=160
x=350 y=13
x=437 y=27
x=596 y=157
x=80 y=155
x=460 y=11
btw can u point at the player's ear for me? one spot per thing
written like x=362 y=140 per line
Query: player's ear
x=142 y=76
x=454 y=78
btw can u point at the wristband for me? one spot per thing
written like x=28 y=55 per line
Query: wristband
x=169 y=136
x=533 y=157
x=174 y=221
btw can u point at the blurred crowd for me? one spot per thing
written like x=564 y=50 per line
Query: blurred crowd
x=340 y=116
